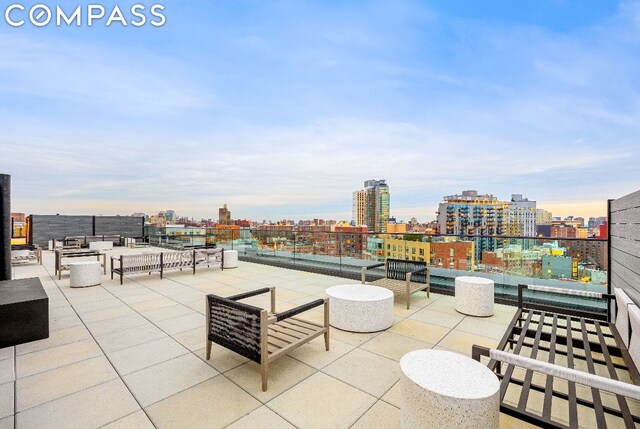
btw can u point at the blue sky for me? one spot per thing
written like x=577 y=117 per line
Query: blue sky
x=281 y=109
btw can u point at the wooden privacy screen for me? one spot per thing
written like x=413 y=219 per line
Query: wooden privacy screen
x=624 y=236
x=47 y=227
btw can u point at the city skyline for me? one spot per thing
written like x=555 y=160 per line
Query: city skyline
x=359 y=211
x=283 y=108
x=558 y=209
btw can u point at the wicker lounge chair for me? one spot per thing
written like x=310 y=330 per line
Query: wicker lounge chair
x=258 y=334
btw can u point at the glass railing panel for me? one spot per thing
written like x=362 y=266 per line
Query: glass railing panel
x=567 y=263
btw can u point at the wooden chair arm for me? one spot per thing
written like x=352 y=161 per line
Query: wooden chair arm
x=249 y=294
x=374 y=266
x=421 y=270
x=363 y=271
x=300 y=309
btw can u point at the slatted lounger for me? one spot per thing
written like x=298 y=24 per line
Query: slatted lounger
x=260 y=335
x=402 y=277
x=591 y=354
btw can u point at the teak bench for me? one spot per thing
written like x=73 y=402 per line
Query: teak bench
x=260 y=335
x=565 y=349
x=402 y=277
x=160 y=262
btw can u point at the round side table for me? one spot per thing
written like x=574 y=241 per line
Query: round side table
x=360 y=308
x=474 y=296
x=445 y=390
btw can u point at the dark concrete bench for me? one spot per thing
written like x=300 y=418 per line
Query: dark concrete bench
x=24 y=312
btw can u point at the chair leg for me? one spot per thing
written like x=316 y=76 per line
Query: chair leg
x=208 y=349
x=264 y=372
x=407 y=290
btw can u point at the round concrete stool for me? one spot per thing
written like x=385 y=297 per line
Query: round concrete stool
x=85 y=274
x=474 y=296
x=360 y=308
x=230 y=259
x=444 y=390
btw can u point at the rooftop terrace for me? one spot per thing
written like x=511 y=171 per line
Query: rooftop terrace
x=133 y=355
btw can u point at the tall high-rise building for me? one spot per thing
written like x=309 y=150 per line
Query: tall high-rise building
x=370 y=206
x=359 y=207
x=474 y=214
x=471 y=213
x=224 y=215
x=377 y=205
x=485 y=217
x=520 y=218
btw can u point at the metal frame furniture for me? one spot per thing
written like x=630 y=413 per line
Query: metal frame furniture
x=401 y=277
x=160 y=262
x=260 y=335
x=540 y=337
x=33 y=253
x=60 y=255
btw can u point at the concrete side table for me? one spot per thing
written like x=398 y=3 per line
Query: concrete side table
x=360 y=308
x=230 y=259
x=444 y=390
x=474 y=296
x=85 y=274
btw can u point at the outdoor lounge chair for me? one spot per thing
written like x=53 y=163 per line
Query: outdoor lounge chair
x=565 y=349
x=257 y=334
x=402 y=277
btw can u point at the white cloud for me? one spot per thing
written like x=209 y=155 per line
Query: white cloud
x=50 y=69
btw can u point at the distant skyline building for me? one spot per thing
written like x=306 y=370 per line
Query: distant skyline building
x=170 y=216
x=377 y=205
x=370 y=206
x=596 y=222
x=543 y=217
x=224 y=215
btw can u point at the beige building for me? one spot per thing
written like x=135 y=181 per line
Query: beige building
x=224 y=215
x=398 y=228
x=359 y=207
x=398 y=248
x=582 y=232
x=457 y=255
x=543 y=217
